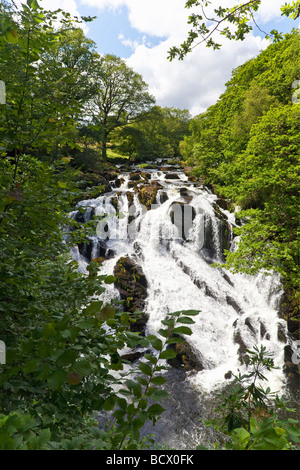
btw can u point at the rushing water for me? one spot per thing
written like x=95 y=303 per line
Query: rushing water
x=175 y=244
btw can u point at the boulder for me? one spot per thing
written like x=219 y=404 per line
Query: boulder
x=186 y=357
x=172 y=176
x=147 y=194
x=132 y=286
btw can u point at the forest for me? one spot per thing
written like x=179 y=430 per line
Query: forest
x=68 y=117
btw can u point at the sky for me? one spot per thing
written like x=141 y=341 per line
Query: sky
x=142 y=32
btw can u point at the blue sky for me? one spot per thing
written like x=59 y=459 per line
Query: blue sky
x=142 y=32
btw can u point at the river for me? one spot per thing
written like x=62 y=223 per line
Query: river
x=175 y=241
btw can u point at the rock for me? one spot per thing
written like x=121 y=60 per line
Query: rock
x=228 y=375
x=146 y=175
x=250 y=326
x=163 y=197
x=147 y=195
x=281 y=333
x=132 y=286
x=135 y=177
x=186 y=357
x=237 y=338
x=224 y=204
x=291 y=368
x=95 y=248
x=263 y=331
x=234 y=304
x=132 y=356
x=172 y=176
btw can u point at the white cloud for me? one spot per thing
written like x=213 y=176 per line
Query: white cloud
x=196 y=82
x=155 y=17
x=269 y=11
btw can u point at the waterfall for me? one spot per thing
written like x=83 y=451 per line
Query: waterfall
x=175 y=242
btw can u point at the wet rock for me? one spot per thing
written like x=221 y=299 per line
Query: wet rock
x=132 y=356
x=281 y=333
x=118 y=182
x=263 y=331
x=130 y=197
x=146 y=175
x=224 y=204
x=250 y=326
x=291 y=368
x=228 y=375
x=163 y=197
x=186 y=358
x=234 y=304
x=237 y=338
x=147 y=195
x=132 y=286
x=95 y=248
x=135 y=177
x=172 y=176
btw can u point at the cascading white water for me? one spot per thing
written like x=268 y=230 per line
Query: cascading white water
x=236 y=310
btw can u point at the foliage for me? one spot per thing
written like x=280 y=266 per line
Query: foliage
x=233 y=23
x=46 y=88
x=249 y=412
x=156 y=134
x=247 y=147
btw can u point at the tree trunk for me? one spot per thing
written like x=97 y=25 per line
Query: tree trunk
x=104 y=142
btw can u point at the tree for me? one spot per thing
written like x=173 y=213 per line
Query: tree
x=156 y=134
x=121 y=96
x=233 y=23
x=45 y=70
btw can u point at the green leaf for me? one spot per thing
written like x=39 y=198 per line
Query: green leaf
x=83 y=367
x=49 y=331
x=93 y=308
x=155 y=409
x=155 y=342
x=145 y=368
x=110 y=279
x=109 y=403
x=67 y=358
x=167 y=354
x=192 y=313
x=186 y=320
x=12 y=37
x=57 y=379
x=44 y=438
x=182 y=330
x=159 y=380
x=106 y=313
x=31 y=366
x=240 y=438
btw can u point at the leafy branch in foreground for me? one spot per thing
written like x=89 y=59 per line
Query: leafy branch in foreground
x=234 y=23
x=142 y=392
x=249 y=413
